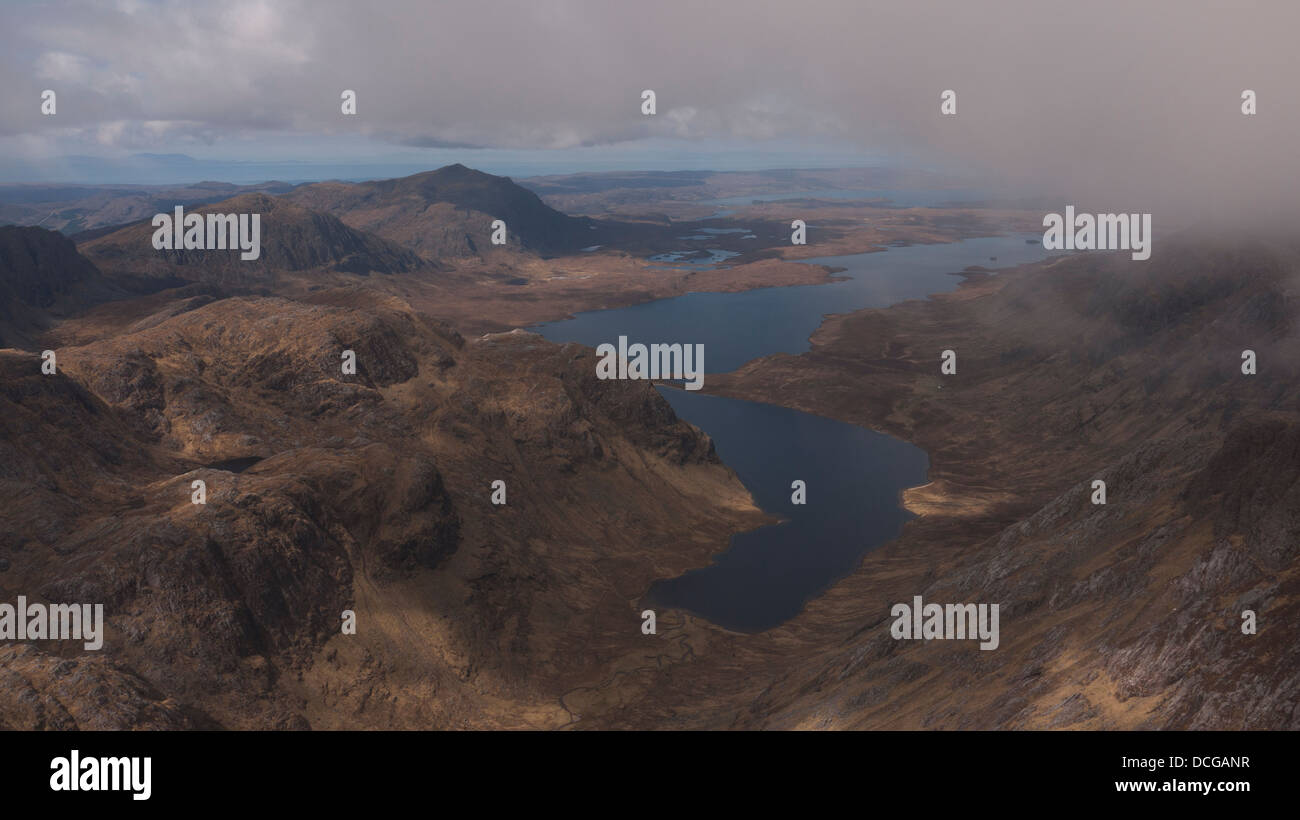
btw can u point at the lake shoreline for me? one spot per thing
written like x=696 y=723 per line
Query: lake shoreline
x=856 y=515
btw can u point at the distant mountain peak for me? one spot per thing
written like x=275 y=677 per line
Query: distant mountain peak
x=448 y=212
x=293 y=238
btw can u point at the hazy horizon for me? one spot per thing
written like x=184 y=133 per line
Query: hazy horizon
x=152 y=168
x=1134 y=108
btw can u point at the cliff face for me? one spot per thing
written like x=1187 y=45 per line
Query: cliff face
x=42 y=277
x=1126 y=614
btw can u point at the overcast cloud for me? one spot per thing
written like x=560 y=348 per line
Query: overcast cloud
x=1127 y=105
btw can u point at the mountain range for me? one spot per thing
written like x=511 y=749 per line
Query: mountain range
x=373 y=491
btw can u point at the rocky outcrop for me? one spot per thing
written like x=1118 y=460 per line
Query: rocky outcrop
x=366 y=492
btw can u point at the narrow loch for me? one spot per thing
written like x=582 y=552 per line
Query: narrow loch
x=854 y=477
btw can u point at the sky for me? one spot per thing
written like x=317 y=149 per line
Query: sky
x=1129 y=105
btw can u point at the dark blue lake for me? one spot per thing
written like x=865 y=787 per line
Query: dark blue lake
x=854 y=477
x=737 y=327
